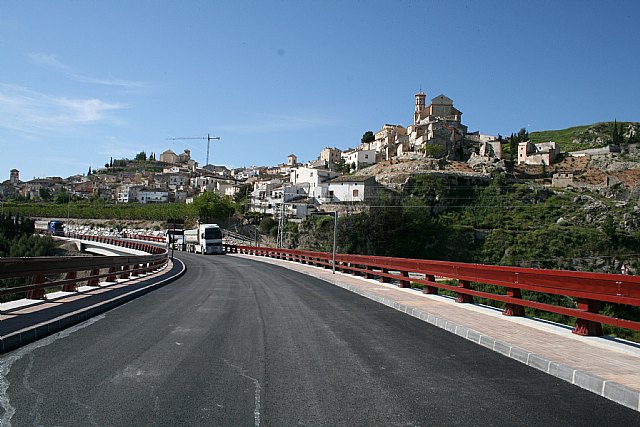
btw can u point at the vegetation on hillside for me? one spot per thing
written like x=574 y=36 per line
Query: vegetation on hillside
x=498 y=223
x=17 y=240
x=207 y=207
x=588 y=136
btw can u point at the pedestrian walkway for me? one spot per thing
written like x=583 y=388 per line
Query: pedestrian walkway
x=603 y=365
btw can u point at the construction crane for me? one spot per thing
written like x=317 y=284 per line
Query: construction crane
x=208 y=138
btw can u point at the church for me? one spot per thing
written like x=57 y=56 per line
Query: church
x=437 y=131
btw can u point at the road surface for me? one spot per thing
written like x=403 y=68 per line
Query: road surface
x=239 y=342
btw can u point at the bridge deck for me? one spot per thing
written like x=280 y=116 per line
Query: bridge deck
x=603 y=365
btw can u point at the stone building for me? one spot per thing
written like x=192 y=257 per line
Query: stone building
x=537 y=154
x=438 y=123
x=14 y=177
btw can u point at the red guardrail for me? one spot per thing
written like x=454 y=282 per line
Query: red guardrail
x=589 y=289
x=158 y=239
x=80 y=269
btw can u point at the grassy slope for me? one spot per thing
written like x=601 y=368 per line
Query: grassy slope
x=586 y=135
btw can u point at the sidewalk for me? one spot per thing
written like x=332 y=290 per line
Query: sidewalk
x=603 y=365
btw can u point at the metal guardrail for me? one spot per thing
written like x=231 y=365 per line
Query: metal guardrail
x=159 y=239
x=40 y=269
x=590 y=289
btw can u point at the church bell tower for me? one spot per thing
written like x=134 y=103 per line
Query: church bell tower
x=420 y=105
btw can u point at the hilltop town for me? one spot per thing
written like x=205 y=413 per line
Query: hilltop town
x=437 y=142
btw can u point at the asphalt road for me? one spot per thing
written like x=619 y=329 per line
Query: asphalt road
x=239 y=342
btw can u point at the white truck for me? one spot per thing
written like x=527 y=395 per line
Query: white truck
x=175 y=238
x=206 y=239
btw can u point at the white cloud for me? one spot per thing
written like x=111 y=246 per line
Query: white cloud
x=29 y=112
x=51 y=61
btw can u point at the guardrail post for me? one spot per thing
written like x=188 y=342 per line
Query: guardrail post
x=112 y=275
x=428 y=289
x=71 y=287
x=405 y=283
x=385 y=279
x=36 y=293
x=512 y=309
x=464 y=298
x=94 y=281
x=587 y=327
x=125 y=272
x=369 y=273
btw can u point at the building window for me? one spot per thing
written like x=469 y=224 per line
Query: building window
x=355 y=193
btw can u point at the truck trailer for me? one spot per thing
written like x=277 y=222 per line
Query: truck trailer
x=54 y=227
x=206 y=239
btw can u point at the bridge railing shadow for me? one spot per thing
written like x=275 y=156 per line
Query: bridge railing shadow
x=590 y=290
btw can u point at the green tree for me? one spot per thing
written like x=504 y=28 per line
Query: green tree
x=210 y=206
x=609 y=228
x=61 y=197
x=267 y=224
x=368 y=137
x=141 y=156
x=513 y=146
x=614 y=132
x=434 y=150
x=341 y=166
x=44 y=193
x=523 y=135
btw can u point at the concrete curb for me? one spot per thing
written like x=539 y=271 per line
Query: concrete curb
x=608 y=389
x=38 y=331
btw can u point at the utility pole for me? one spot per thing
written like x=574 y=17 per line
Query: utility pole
x=280 y=240
x=208 y=138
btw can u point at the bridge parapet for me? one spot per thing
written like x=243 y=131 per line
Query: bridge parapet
x=80 y=269
x=590 y=290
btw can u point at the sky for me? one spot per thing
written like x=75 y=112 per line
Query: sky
x=82 y=82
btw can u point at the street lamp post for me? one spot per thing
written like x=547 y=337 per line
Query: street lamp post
x=335 y=232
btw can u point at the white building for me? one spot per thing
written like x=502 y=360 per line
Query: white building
x=218 y=185
x=176 y=181
x=359 y=158
x=537 y=154
x=352 y=188
x=315 y=179
x=127 y=193
x=147 y=195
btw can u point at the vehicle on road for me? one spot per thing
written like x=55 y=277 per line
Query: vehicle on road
x=53 y=227
x=206 y=239
x=175 y=238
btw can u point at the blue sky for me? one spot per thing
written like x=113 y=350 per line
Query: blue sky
x=83 y=81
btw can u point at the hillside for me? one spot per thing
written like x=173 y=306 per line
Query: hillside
x=583 y=137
